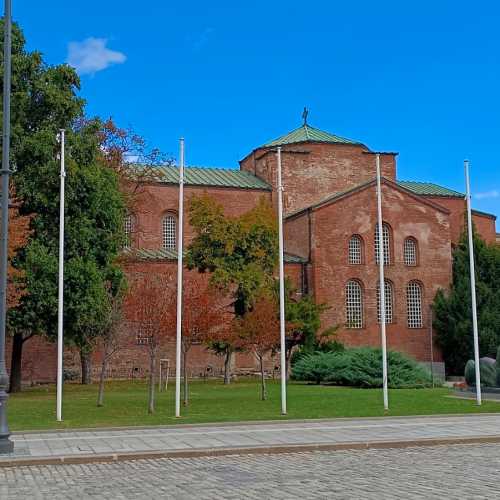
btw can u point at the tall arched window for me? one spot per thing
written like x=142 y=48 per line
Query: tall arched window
x=386 y=243
x=356 y=249
x=414 y=304
x=389 y=303
x=128 y=227
x=410 y=251
x=354 y=304
x=169 y=232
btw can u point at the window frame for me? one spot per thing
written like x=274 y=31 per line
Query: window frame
x=165 y=229
x=359 y=325
x=411 y=307
x=359 y=239
x=411 y=239
x=388 y=285
x=128 y=229
x=389 y=256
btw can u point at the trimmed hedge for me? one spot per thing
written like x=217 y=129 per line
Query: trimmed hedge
x=360 y=367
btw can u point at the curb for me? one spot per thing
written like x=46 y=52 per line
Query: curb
x=252 y=450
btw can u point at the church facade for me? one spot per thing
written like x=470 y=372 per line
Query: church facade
x=331 y=240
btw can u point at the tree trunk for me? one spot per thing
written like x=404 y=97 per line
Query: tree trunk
x=152 y=367
x=288 y=357
x=263 y=390
x=86 y=362
x=227 y=366
x=185 y=375
x=102 y=377
x=16 y=363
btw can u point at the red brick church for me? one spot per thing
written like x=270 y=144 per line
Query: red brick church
x=331 y=241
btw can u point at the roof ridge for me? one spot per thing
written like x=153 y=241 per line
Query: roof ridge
x=306 y=133
x=306 y=126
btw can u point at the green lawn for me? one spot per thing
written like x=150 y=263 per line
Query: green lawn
x=126 y=404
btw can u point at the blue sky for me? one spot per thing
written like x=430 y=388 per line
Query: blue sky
x=421 y=78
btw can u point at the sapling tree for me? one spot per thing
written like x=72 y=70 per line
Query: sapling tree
x=258 y=332
x=204 y=316
x=113 y=337
x=147 y=311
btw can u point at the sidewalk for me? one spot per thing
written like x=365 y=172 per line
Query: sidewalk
x=103 y=445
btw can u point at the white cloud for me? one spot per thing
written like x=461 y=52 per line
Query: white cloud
x=201 y=39
x=92 y=55
x=494 y=193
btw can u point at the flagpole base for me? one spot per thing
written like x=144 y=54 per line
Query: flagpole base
x=6 y=446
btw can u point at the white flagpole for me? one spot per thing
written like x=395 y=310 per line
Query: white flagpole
x=473 y=285
x=382 y=283
x=60 y=309
x=282 y=288
x=179 y=284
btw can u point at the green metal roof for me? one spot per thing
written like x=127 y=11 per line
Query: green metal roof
x=217 y=177
x=429 y=189
x=170 y=254
x=307 y=133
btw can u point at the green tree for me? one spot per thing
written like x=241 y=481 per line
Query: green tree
x=452 y=310
x=44 y=100
x=303 y=317
x=241 y=253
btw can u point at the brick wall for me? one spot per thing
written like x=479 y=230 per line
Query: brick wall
x=484 y=224
x=296 y=235
x=313 y=171
x=156 y=200
x=407 y=216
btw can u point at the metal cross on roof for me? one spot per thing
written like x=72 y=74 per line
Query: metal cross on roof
x=304 y=115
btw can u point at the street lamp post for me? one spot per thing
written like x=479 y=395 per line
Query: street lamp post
x=6 y=445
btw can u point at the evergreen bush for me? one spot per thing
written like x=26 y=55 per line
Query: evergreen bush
x=361 y=367
x=487 y=372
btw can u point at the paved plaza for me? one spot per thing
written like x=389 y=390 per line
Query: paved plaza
x=286 y=435
x=441 y=472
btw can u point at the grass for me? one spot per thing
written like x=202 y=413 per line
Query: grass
x=211 y=401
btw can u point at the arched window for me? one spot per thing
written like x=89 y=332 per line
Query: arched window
x=410 y=251
x=128 y=227
x=356 y=249
x=414 y=304
x=169 y=232
x=389 y=303
x=354 y=304
x=386 y=244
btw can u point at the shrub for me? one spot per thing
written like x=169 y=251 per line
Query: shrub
x=313 y=367
x=361 y=367
x=320 y=347
x=487 y=372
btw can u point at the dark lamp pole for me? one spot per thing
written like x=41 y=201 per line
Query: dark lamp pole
x=6 y=445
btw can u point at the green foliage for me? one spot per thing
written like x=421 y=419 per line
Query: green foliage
x=330 y=346
x=303 y=316
x=240 y=252
x=453 y=318
x=487 y=372
x=313 y=367
x=44 y=100
x=361 y=367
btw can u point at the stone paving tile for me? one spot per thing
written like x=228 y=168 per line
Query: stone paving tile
x=278 y=433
